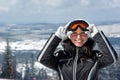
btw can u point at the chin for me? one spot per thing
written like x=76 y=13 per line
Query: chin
x=78 y=45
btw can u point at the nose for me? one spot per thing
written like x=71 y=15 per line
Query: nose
x=78 y=36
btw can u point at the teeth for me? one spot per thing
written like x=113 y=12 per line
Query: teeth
x=79 y=41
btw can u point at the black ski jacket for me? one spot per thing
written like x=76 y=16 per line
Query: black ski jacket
x=69 y=62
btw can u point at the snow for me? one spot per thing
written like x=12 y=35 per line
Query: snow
x=23 y=45
x=110 y=30
x=21 y=67
x=38 y=65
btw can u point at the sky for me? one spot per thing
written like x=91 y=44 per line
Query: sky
x=58 y=11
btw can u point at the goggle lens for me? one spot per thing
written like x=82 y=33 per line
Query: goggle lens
x=81 y=25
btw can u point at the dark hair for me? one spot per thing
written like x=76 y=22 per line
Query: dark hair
x=89 y=45
x=86 y=48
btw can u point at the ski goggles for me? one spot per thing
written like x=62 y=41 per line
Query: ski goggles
x=78 y=24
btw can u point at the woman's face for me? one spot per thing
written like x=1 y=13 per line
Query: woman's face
x=78 y=37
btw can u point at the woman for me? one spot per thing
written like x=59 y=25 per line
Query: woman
x=85 y=51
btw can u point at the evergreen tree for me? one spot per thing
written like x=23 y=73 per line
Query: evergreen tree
x=8 y=65
x=27 y=75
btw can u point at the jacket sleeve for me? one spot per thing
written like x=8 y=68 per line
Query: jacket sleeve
x=108 y=54
x=46 y=56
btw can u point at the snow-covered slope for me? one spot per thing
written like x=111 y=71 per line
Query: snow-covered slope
x=110 y=30
x=23 y=45
x=33 y=37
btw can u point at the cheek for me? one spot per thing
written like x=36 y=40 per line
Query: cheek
x=72 y=39
x=85 y=38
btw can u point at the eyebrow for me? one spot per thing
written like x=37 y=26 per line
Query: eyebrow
x=80 y=32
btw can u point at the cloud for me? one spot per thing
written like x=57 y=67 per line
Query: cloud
x=5 y=5
x=115 y=3
x=84 y=2
x=40 y=6
x=45 y=6
x=54 y=3
x=4 y=9
x=105 y=3
x=7 y=2
x=55 y=8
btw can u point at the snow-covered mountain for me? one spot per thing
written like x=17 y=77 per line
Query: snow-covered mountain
x=110 y=30
x=34 y=36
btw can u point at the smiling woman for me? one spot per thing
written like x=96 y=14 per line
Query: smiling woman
x=86 y=50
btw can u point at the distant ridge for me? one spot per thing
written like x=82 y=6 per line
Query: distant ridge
x=106 y=22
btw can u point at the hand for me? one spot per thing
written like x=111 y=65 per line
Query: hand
x=92 y=30
x=61 y=33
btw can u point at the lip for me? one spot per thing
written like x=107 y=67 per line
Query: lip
x=79 y=41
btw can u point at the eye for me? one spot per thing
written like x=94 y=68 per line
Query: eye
x=82 y=33
x=74 y=34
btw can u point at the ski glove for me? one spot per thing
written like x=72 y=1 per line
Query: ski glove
x=61 y=33
x=92 y=30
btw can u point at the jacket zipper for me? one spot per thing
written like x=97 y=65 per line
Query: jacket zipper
x=75 y=64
